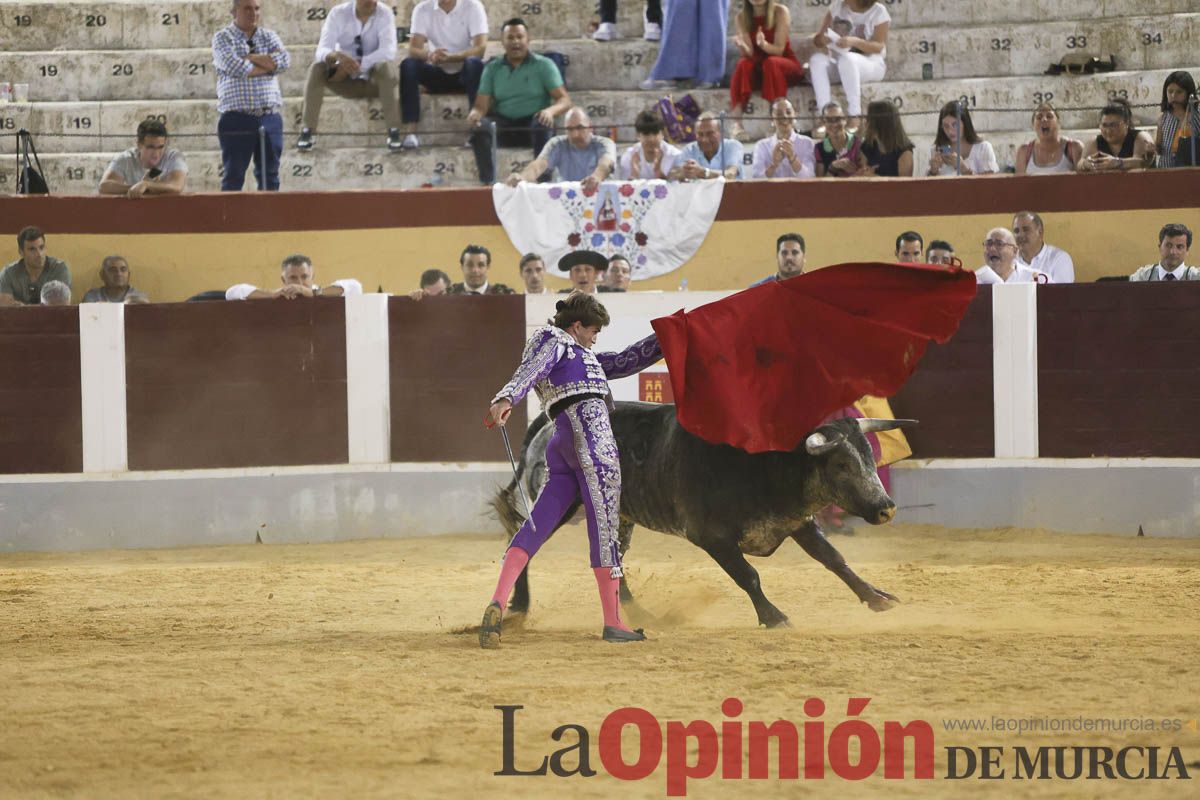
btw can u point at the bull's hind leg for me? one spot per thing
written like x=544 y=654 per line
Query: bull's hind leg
x=519 y=604
x=726 y=553
x=809 y=537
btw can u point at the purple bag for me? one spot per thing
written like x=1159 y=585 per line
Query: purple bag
x=679 y=117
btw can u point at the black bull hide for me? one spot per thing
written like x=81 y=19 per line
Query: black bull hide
x=725 y=501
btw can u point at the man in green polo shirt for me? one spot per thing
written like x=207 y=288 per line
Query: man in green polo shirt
x=21 y=281
x=521 y=94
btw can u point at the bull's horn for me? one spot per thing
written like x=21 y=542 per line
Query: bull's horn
x=869 y=425
x=818 y=443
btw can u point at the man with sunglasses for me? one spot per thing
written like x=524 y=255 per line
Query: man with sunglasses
x=355 y=58
x=1000 y=254
x=248 y=60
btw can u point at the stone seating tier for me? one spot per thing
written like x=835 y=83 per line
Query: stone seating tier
x=1142 y=43
x=140 y=24
x=373 y=167
x=109 y=126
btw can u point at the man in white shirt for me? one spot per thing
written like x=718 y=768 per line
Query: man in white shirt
x=651 y=157
x=1034 y=253
x=445 y=54
x=355 y=58
x=533 y=273
x=296 y=279
x=786 y=154
x=1174 y=242
x=1000 y=255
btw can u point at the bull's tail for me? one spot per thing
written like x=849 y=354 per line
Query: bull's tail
x=507 y=501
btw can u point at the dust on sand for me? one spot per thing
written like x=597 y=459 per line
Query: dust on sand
x=349 y=669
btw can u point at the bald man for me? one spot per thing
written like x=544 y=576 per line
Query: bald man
x=579 y=155
x=1000 y=257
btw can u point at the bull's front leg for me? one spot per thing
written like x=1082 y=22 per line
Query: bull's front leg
x=810 y=537
x=725 y=552
x=624 y=538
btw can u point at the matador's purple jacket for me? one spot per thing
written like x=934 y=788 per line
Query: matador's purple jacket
x=582 y=454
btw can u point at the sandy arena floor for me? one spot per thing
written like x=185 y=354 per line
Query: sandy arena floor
x=344 y=670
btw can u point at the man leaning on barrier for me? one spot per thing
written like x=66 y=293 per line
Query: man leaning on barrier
x=114 y=274
x=355 y=58
x=148 y=168
x=1174 y=242
x=248 y=60
x=520 y=94
x=296 y=279
x=578 y=155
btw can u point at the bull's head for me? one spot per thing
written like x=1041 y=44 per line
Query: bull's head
x=847 y=465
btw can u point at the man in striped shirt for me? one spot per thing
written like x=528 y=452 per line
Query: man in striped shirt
x=248 y=59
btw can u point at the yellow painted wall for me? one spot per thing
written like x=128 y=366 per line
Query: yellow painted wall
x=172 y=267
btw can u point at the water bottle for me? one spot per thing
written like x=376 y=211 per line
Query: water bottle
x=683 y=285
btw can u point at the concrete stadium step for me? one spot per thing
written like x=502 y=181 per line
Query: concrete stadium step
x=375 y=168
x=110 y=125
x=1157 y=42
x=50 y=24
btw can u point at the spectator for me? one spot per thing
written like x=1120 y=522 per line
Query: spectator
x=886 y=147
x=366 y=29
x=693 y=45
x=651 y=157
x=533 y=273
x=767 y=62
x=1050 y=151
x=114 y=274
x=147 y=168
x=709 y=156
x=296 y=279
x=248 y=60
x=445 y=54
x=433 y=282
x=475 y=261
x=789 y=258
x=1000 y=255
x=56 y=293
x=21 y=281
x=652 y=19
x=1119 y=145
x=941 y=252
x=851 y=45
x=1174 y=242
x=977 y=154
x=787 y=154
x=839 y=155
x=578 y=155
x=520 y=94
x=1033 y=252
x=1175 y=139
x=618 y=275
x=585 y=268
x=909 y=246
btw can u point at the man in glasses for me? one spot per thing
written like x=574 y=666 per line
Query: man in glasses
x=21 y=281
x=578 y=155
x=355 y=58
x=248 y=59
x=1000 y=261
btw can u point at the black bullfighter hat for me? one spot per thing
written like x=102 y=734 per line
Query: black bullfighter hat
x=597 y=260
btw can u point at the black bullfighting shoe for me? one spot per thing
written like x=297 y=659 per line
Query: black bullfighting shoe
x=489 y=629
x=612 y=634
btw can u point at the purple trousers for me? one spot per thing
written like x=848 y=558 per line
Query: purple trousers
x=583 y=463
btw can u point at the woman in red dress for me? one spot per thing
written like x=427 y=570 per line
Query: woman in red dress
x=767 y=61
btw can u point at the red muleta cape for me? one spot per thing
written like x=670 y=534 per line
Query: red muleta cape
x=762 y=368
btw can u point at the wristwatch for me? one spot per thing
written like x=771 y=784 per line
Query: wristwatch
x=707 y=172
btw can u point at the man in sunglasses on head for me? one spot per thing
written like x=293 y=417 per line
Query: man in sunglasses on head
x=248 y=59
x=355 y=58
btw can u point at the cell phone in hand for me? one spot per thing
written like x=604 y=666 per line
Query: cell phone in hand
x=153 y=173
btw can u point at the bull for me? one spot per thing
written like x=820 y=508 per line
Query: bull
x=727 y=502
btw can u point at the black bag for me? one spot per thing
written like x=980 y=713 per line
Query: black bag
x=29 y=177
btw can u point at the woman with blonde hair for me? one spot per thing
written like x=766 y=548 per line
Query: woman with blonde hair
x=1050 y=151
x=767 y=62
